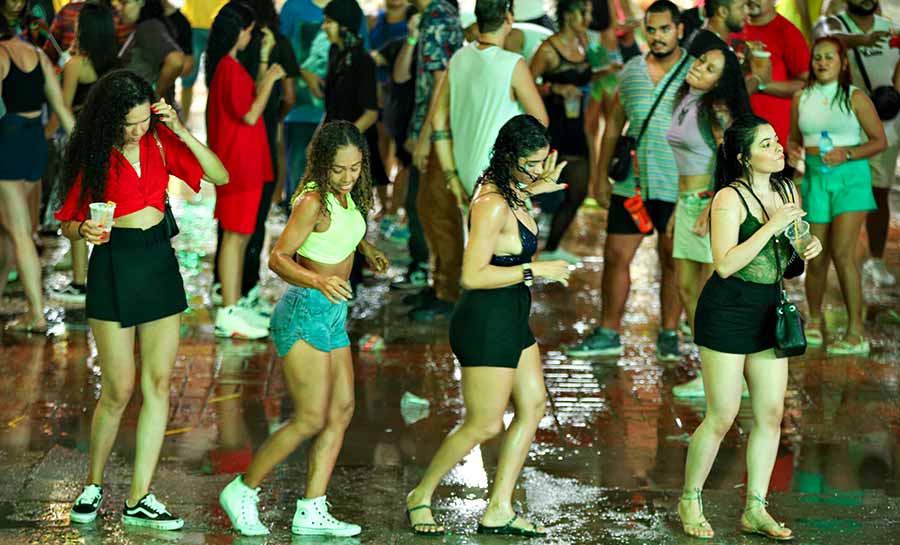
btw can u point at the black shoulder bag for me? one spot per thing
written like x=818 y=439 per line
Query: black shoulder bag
x=885 y=98
x=168 y=217
x=790 y=339
x=626 y=146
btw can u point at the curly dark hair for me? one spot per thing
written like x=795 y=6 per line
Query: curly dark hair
x=738 y=140
x=842 y=97
x=223 y=34
x=519 y=137
x=320 y=158
x=100 y=128
x=729 y=91
x=97 y=37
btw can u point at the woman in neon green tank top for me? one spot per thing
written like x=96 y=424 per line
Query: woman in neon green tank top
x=314 y=254
x=735 y=319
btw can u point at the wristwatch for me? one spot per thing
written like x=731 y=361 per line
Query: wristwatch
x=527 y=274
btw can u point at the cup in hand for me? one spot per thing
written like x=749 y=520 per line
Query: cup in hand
x=799 y=235
x=760 y=60
x=102 y=214
x=573 y=107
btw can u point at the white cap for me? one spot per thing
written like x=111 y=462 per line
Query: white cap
x=467 y=19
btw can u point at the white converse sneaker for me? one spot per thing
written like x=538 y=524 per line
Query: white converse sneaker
x=87 y=504
x=233 y=322
x=239 y=502
x=313 y=519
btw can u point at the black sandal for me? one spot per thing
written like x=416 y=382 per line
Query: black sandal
x=509 y=530
x=415 y=527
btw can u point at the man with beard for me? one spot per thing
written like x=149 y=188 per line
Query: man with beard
x=643 y=79
x=772 y=90
x=867 y=35
x=723 y=17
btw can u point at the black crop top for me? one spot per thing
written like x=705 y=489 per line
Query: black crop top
x=23 y=91
x=529 y=247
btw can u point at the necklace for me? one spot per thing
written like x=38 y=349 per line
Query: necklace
x=482 y=42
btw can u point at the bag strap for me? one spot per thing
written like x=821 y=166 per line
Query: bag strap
x=859 y=60
x=659 y=98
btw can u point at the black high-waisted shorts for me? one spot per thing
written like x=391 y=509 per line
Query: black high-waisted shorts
x=735 y=316
x=134 y=278
x=489 y=328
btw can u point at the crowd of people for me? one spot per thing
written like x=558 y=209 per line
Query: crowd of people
x=755 y=150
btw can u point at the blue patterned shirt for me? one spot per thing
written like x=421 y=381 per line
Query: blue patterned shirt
x=440 y=35
x=656 y=163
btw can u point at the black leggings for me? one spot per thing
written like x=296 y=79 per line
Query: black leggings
x=576 y=175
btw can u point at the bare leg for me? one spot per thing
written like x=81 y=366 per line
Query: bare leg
x=115 y=348
x=817 y=274
x=668 y=293
x=767 y=378
x=691 y=277
x=79 y=251
x=530 y=400
x=308 y=375
x=231 y=265
x=878 y=221
x=327 y=444
x=159 y=347
x=844 y=237
x=486 y=392
x=617 y=256
x=722 y=381
x=17 y=223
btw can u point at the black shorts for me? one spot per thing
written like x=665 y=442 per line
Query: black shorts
x=620 y=222
x=489 y=328
x=134 y=278
x=23 y=148
x=735 y=316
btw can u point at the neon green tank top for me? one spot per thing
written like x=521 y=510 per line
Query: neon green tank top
x=347 y=228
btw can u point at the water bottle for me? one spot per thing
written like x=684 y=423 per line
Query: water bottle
x=825 y=145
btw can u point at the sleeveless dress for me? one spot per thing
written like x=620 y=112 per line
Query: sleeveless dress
x=489 y=327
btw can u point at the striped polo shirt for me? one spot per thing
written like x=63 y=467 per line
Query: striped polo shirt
x=656 y=163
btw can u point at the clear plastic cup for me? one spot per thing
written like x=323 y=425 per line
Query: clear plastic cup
x=573 y=107
x=102 y=214
x=760 y=60
x=799 y=235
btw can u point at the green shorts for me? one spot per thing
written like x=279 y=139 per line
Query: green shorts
x=687 y=244
x=831 y=191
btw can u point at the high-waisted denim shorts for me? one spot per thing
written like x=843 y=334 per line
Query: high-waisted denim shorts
x=306 y=314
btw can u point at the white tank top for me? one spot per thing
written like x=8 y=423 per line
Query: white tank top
x=480 y=104
x=820 y=112
x=879 y=62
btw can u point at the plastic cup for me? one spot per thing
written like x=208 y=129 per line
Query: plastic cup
x=760 y=60
x=102 y=214
x=413 y=408
x=799 y=235
x=573 y=107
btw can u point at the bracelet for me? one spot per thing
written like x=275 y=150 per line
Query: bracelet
x=80 y=225
x=411 y=41
x=849 y=155
x=527 y=274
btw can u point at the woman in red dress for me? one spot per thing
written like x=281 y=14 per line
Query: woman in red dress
x=237 y=135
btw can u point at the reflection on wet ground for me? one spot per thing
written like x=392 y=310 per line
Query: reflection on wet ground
x=606 y=466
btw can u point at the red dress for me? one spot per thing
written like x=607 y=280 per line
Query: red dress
x=242 y=148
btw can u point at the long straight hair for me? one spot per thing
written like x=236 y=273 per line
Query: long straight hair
x=845 y=78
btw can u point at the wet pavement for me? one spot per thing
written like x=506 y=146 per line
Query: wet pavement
x=606 y=466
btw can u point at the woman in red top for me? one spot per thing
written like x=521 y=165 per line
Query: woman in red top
x=237 y=134
x=120 y=153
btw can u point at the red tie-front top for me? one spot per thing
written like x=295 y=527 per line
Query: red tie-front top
x=131 y=192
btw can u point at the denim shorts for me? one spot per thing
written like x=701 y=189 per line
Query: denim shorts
x=689 y=245
x=306 y=314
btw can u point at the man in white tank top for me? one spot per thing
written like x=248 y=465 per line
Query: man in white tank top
x=484 y=87
x=867 y=35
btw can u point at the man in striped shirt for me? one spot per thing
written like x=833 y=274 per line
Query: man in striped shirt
x=643 y=79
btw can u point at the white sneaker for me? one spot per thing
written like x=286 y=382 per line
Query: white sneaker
x=875 y=269
x=691 y=388
x=249 y=313
x=87 y=504
x=559 y=253
x=232 y=322
x=259 y=303
x=313 y=519
x=239 y=502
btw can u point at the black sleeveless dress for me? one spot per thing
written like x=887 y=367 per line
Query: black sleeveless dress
x=489 y=327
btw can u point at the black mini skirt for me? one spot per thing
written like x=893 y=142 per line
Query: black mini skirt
x=489 y=328
x=134 y=278
x=735 y=316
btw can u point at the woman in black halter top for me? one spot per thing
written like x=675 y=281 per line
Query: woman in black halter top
x=489 y=331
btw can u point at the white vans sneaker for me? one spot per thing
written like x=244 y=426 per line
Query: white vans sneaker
x=239 y=502
x=87 y=504
x=232 y=322
x=313 y=519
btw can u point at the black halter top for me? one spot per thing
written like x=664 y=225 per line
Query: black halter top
x=529 y=247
